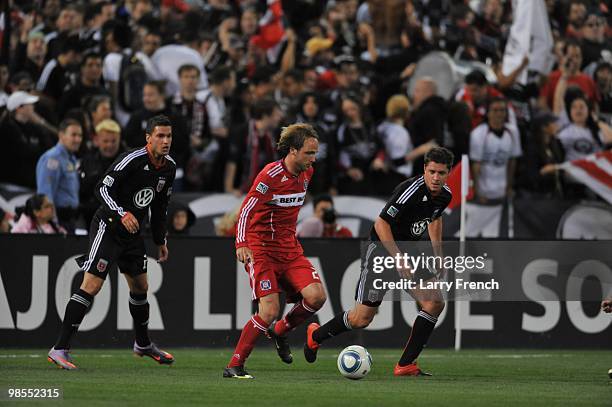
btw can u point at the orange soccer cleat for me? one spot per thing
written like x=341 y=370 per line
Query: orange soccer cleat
x=409 y=370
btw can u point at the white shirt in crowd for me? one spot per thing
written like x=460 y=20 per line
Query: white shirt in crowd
x=215 y=107
x=169 y=58
x=397 y=144
x=493 y=153
x=578 y=142
x=111 y=69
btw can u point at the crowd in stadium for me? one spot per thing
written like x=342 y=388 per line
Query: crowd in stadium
x=79 y=80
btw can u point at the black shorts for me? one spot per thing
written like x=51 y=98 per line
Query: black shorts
x=368 y=292
x=107 y=247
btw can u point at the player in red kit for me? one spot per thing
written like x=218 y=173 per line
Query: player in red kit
x=266 y=242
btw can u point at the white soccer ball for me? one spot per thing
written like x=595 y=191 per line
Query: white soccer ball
x=354 y=362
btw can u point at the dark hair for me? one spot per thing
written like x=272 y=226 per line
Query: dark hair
x=90 y=55
x=34 y=203
x=321 y=198
x=262 y=74
x=188 y=67
x=264 y=107
x=95 y=101
x=477 y=78
x=496 y=99
x=69 y=44
x=122 y=35
x=294 y=136
x=219 y=75
x=295 y=74
x=571 y=42
x=94 y=10
x=440 y=155
x=159 y=120
x=64 y=124
x=159 y=85
x=591 y=124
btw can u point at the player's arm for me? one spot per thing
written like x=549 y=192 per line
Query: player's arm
x=48 y=177
x=106 y=192
x=158 y=220
x=435 y=235
x=258 y=195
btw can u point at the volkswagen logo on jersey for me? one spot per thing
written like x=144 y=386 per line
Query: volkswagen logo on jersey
x=419 y=227
x=143 y=198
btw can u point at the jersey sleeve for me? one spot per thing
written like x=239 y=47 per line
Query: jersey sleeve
x=402 y=196
x=159 y=212
x=259 y=194
x=107 y=188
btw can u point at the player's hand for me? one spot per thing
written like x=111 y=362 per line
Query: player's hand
x=162 y=253
x=130 y=222
x=244 y=255
x=606 y=306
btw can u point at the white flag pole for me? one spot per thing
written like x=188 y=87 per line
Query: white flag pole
x=465 y=180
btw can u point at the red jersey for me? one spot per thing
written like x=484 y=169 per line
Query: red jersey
x=269 y=213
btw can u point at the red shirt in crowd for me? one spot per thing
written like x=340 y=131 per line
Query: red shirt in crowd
x=581 y=80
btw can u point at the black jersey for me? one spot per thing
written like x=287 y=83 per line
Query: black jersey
x=411 y=209
x=133 y=184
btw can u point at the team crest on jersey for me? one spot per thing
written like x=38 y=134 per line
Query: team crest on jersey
x=392 y=211
x=265 y=285
x=419 y=227
x=262 y=188
x=373 y=295
x=102 y=264
x=160 y=184
x=143 y=198
x=108 y=181
x=305 y=184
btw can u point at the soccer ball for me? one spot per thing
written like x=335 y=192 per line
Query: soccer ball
x=354 y=362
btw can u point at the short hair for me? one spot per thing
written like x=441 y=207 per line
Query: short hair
x=69 y=44
x=220 y=75
x=262 y=74
x=398 y=106
x=440 y=155
x=95 y=101
x=571 y=42
x=155 y=121
x=322 y=198
x=264 y=107
x=64 y=124
x=476 y=77
x=496 y=99
x=294 y=136
x=122 y=34
x=295 y=74
x=188 y=67
x=159 y=85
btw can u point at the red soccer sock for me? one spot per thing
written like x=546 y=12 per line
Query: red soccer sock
x=300 y=312
x=254 y=328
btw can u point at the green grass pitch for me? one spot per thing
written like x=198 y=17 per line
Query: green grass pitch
x=466 y=378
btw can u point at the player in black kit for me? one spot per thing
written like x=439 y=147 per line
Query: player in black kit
x=417 y=204
x=137 y=181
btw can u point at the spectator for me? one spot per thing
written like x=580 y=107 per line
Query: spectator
x=180 y=219
x=37 y=217
x=5 y=226
x=98 y=109
x=107 y=147
x=31 y=50
x=575 y=18
x=88 y=85
x=57 y=173
x=323 y=222
x=603 y=80
x=494 y=147
x=96 y=15
x=55 y=76
x=151 y=43
x=288 y=94
x=359 y=150
x=252 y=146
x=594 y=41
x=25 y=140
x=569 y=68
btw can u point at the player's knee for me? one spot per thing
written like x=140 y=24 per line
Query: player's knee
x=434 y=308
x=140 y=287
x=92 y=286
x=268 y=315
x=317 y=300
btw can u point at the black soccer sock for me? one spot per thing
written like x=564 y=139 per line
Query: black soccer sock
x=333 y=327
x=139 y=308
x=73 y=316
x=421 y=331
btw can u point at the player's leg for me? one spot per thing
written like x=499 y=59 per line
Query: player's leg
x=139 y=309
x=432 y=305
x=360 y=316
x=268 y=308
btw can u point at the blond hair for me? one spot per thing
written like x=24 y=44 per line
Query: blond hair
x=398 y=106
x=293 y=136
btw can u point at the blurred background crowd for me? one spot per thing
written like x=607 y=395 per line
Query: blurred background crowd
x=79 y=79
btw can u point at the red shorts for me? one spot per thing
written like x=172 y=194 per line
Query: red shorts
x=273 y=273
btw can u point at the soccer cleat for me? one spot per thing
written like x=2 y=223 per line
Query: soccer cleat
x=409 y=370
x=282 y=346
x=311 y=346
x=236 y=372
x=62 y=358
x=152 y=351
